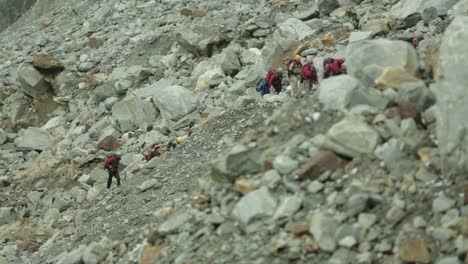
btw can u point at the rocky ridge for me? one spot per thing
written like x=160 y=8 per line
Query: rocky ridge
x=371 y=171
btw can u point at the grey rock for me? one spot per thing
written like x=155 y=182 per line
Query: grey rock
x=312 y=12
x=357 y=204
x=35 y=196
x=201 y=41
x=364 y=258
x=148 y=184
x=459 y=9
x=94 y=253
x=229 y=60
x=419 y=222
x=32 y=82
x=327 y=6
x=392 y=155
x=73 y=257
x=3 y=136
x=418 y=94
x=429 y=14
x=354 y=137
x=284 y=164
x=394 y=215
x=257 y=204
x=175 y=222
x=441 y=204
x=234 y=162
x=345 y=231
x=356 y=36
x=7 y=214
x=244 y=101
x=315 y=187
x=132 y=113
x=345 y=91
x=288 y=207
x=382 y=53
x=271 y=179
x=449 y=260
x=410 y=11
x=295 y=28
x=174 y=102
x=323 y=227
x=366 y=221
x=36 y=139
x=450 y=90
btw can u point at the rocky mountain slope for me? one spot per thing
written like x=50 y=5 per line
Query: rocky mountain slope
x=372 y=170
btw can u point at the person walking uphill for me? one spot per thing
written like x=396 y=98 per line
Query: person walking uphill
x=112 y=165
x=276 y=80
x=294 y=71
x=309 y=74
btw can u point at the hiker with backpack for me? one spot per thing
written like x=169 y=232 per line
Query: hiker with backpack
x=332 y=67
x=309 y=75
x=173 y=143
x=276 y=80
x=263 y=85
x=153 y=153
x=295 y=70
x=338 y=67
x=112 y=165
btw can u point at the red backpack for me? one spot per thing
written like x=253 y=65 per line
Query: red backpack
x=109 y=162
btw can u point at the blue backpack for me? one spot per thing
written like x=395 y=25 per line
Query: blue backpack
x=263 y=86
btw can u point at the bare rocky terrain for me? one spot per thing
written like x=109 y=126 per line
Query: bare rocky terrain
x=371 y=170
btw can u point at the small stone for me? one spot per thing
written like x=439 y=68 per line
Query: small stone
x=394 y=215
x=419 y=222
x=414 y=251
x=256 y=204
x=271 y=179
x=288 y=207
x=244 y=186
x=449 y=260
x=364 y=258
x=315 y=187
x=300 y=228
x=148 y=184
x=347 y=242
x=441 y=204
x=366 y=221
x=284 y=164
x=320 y=163
x=46 y=62
x=311 y=246
x=94 y=253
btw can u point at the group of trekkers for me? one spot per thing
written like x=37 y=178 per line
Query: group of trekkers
x=303 y=78
x=112 y=161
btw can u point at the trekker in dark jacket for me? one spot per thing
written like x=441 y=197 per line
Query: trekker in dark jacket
x=276 y=80
x=112 y=165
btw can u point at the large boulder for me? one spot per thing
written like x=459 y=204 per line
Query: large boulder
x=410 y=11
x=203 y=41
x=66 y=83
x=345 y=91
x=255 y=205
x=3 y=136
x=459 y=9
x=205 y=80
x=296 y=29
x=450 y=91
x=46 y=62
x=174 y=102
x=32 y=82
x=353 y=137
x=36 y=139
x=380 y=53
x=229 y=60
x=133 y=112
x=236 y=161
x=327 y=6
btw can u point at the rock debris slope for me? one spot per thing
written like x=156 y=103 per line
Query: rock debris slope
x=372 y=170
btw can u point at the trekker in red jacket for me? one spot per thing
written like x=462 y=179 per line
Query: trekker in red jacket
x=309 y=74
x=112 y=165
